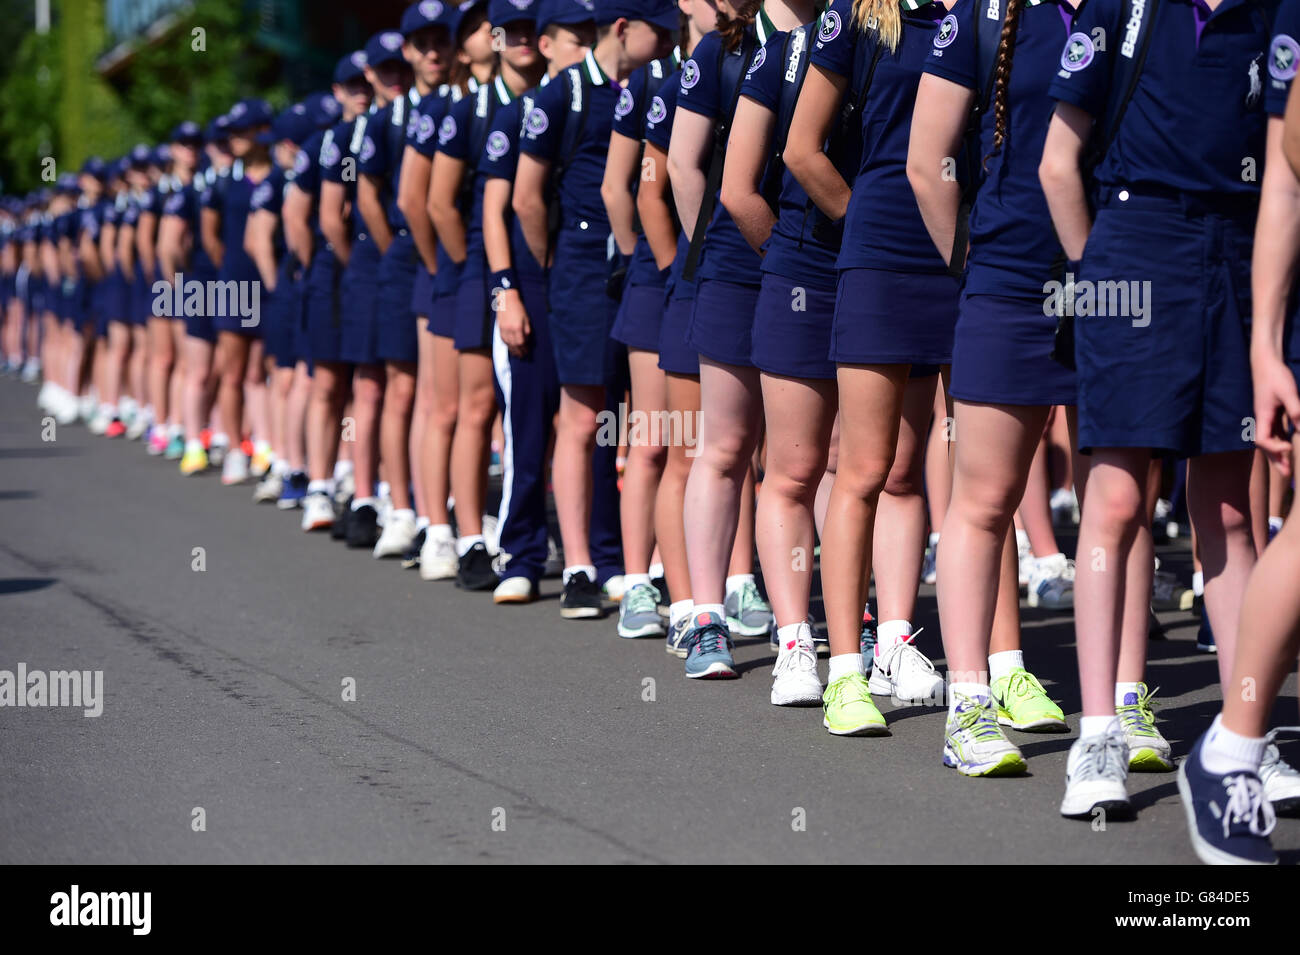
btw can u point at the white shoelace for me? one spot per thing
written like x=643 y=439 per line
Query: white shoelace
x=1246 y=803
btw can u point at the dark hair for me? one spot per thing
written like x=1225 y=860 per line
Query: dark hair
x=732 y=29
x=1002 y=76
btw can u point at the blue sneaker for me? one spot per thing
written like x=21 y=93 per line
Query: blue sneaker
x=867 y=641
x=1228 y=817
x=1205 y=637
x=677 y=634
x=175 y=449
x=293 y=491
x=708 y=649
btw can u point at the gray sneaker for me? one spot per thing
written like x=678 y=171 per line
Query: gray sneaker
x=677 y=633
x=748 y=614
x=638 y=613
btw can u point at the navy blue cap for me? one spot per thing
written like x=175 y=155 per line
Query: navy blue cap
x=162 y=155
x=294 y=124
x=350 y=67
x=218 y=129
x=140 y=155
x=94 y=166
x=187 y=132
x=323 y=109
x=67 y=183
x=662 y=13
x=564 y=13
x=464 y=10
x=385 y=47
x=119 y=167
x=248 y=113
x=429 y=13
x=501 y=12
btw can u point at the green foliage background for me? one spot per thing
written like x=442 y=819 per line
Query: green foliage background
x=53 y=101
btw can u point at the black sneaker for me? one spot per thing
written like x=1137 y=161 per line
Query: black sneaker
x=363 y=527
x=339 y=529
x=665 y=599
x=475 y=572
x=581 y=599
x=411 y=559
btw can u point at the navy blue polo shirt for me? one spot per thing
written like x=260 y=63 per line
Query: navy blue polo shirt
x=345 y=144
x=1198 y=109
x=543 y=137
x=306 y=174
x=422 y=136
x=883 y=228
x=499 y=160
x=1012 y=249
x=658 y=132
x=380 y=159
x=1283 y=57
x=792 y=251
x=232 y=202
x=703 y=90
x=462 y=135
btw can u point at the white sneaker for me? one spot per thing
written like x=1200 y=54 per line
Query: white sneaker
x=614 y=588
x=399 y=533
x=512 y=590
x=45 y=397
x=268 y=489
x=87 y=407
x=490 y=533
x=99 y=424
x=383 y=510
x=1026 y=558
x=1065 y=507
x=438 y=559
x=137 y=428
x=906 y=674
x=317 y=512
x=1095 y=775
x=345 y=487
x=794 y=678
x=234 y=468
x=1281 y=780
x=1051 y=584
x=31 y=370
x=66 y=408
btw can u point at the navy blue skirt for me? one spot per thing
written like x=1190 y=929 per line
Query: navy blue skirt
x=676 y=356
x=894 y=318
x=640 y=315
x=722 y=321
x=1001 y=354
x=792 y=328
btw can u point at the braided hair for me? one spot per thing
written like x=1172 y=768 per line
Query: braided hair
x=732 y=29
x=1002 y=76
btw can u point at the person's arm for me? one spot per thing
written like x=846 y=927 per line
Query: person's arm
x=371 y=205
x=512 y=318
x=656 y=214
x=49 y=252
x=748 y=147
x=1273 y=276
x=259 y=243
x=1062 y=179
x=88 y=253
x=126 y=251
x=529 y=203
x=333 y=224
x=67 y=257
x=413 y=200
x=689 y=152
x=621 y=170
x=171 y=248
x=145 y=232
x=108 y=245
x=295 y=215
x=814 y=116
x=448 y=174
x=210 y=224
x=938 y=123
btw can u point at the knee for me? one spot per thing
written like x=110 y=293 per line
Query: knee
x=479 y=405
x=984 y=506
x=862 y=475
x=1112 y=505
x=400 y=391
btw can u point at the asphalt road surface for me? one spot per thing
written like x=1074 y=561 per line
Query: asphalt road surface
x=478 y=733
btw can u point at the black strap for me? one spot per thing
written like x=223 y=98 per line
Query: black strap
x=1125 y=74
x=795 y=58
x=713 y=182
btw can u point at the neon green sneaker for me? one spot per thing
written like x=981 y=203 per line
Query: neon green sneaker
x=847 y=709
x=1148 y=750
x=1023 y=704
x=194 y=462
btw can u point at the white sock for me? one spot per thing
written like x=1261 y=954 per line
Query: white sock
x=342 y=469
x=220 y=438
x=192 y=446
x=108 y=411
x=656 y=571
x=1003 y=662
x=588 y=569
x=383 y=489
x=441 y=532
x=360 y=502
x=793 y=633
x=890 y=632
x=736 y=581
x=464 y=544
x=176 y=430
x=631 y=580
x=716 y=609
x=261 y=447
x=1123 y=690
x=1226 y=752
x=844 y=664
x=1198 y=583
x=958 y=690
x=1274 y=523
x=406 y=514
x=318 y=487
x=1022 y=539
x=934 y=539
x=421 y=523
x=280 y=466
x=1097 y=726
x=679 y=609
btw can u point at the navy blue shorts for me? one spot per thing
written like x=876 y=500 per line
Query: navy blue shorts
x=284 y=320
x=640 y=316
x=894 y=318
x=1164 y=350
x=70 y=302
x=141 y=300
x=323 y=307
x=422 y=291
x=792 y=328
x=397 y=340
x=1001 y=354
x=200 y=326
x=474 y=317
x=360 y=293
x=582 y=315
x=676 y=356
x=446 y=289
x=722 y=321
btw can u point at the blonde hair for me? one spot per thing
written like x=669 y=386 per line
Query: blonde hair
x=882 y=17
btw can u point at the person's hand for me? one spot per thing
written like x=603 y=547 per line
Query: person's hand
x=1276 y=401
x=512 y=321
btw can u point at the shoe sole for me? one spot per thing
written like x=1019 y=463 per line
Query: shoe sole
x=739 y=630
x=436 y=574
x=866 y=729
x=318 y=525
x=649 y=630
x=678 y=652
x=581 y=613
x=475 y=588
x=1288 y=806
x=1084 y=808
x=1210 y=855
x=882 y=687
x=810 y=699
x=716 y=671
x=1046 y=724
x=1009 y=764
x=1149 y=761
x=513 y=599
x=290 y=505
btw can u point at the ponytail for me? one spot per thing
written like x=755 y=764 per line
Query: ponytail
x=732 y=29
x=1002 y=76
x=883 y=18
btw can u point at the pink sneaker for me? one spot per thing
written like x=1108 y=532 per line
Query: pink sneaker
x=157 y=440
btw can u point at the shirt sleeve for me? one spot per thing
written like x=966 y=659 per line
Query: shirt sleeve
x=373 y=158
x=306 y=168
x=627 y=118
x=266 y=195
x=501 y=148
x=422 y=134
x=662 y=109
x=954 y=51
x=766 y=72
x=545 y=122
x=699 y=88
x=837 y=39
x=1283 y=57
x=1083 y=79
x=336 y=145
x=454 y=129
x=175 y=204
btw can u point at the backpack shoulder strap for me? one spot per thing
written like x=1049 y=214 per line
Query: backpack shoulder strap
x=1126 y=70
x=988 y=35
x=795 y=58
